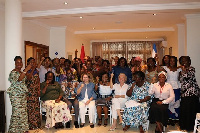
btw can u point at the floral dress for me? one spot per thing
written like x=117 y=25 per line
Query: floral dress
x=18 y=97
x=135 y=113
x=33 y=104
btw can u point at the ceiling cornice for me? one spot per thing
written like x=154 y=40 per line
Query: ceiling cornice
x=138 y=7
x=125 y=30
x=118 y=40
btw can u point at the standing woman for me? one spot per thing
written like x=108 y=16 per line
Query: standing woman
x=163 y=94
x=33 y=105
x=120 y=98
x=173 y=79
x=122 y=67
x=151 y=72
x=18 y=97
x=189 y=94
x=165 y=60
x=86 y=97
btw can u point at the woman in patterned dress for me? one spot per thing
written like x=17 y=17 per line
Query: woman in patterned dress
x=151 y=72
x=190 y=93
x=51 y=94
x=33 y=105
x=136 y=110
x=18 y=97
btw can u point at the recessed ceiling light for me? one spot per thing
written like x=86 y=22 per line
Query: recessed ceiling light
x=154 y=14
x=146 y=37
x=149 y=26
x=65 y=3
x=80 y=17
x=93 y=28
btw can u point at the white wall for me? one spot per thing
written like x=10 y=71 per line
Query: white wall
x=57 y=42
x=2 y=50
x=74 y=42
x=193 y=41
x=35 y=33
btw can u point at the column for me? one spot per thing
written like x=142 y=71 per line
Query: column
x=193 y=41
x=13 y=43
x=57 y=42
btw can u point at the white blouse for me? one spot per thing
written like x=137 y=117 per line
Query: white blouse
x=165 y=93
x=105 y=90
x=120 y=90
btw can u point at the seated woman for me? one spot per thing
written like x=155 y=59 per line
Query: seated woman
x=163 y=95
x=51 y=94
x=68 y=86
x=120 y=98
x=104 y=97
x=137 y=107
x=86 y=97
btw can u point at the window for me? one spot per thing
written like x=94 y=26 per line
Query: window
x=127 y=49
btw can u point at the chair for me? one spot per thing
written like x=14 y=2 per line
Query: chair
x=109 y=110
x=197 y=123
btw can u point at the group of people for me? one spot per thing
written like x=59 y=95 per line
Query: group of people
x=162 y=94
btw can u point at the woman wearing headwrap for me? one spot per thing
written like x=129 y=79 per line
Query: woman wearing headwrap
x=163 y=95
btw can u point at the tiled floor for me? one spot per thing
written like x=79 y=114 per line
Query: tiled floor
x=101 y=129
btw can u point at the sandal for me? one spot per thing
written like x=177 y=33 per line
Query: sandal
x=100 y=122
x=105 y=122
x=126 y=127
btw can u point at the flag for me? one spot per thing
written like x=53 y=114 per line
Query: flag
x=82 y=55
x=154 y=51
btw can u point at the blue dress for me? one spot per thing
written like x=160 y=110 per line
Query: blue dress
x=137 y=114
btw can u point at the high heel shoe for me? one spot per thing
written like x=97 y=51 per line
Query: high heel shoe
x=105 y=122
x=100 y=122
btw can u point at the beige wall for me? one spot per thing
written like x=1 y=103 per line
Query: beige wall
x=35 y=33
x=74 y=42
x=172 y=41
x=2 y=50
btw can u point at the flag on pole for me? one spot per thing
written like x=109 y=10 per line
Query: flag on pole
x=82 y=55
x=154 y=51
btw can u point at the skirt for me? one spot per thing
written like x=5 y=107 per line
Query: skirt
x=158 y=113
x=188 y=109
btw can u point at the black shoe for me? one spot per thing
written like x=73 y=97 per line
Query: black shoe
x=100 y=122
x=76 y=124
x=92 y=126
x=61 y=125
x=68 y=124
x=81 y=126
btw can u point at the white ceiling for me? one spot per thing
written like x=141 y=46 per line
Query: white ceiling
x=113 y=19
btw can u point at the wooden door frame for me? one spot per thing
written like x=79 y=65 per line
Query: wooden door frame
x=29 y=43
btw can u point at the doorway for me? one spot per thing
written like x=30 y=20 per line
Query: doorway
x=37 y=51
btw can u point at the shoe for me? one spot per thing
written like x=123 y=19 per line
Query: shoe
x=92 y=126
x=105 y=122
x=82 y=125
x=112 y=129
x=100 y=122
x=126 y=127
x=56 y=126
x=61 y=125
x=68 y=124
x=76 y=124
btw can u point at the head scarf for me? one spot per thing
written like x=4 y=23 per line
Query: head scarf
x=138 y=59
x=162 y=72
